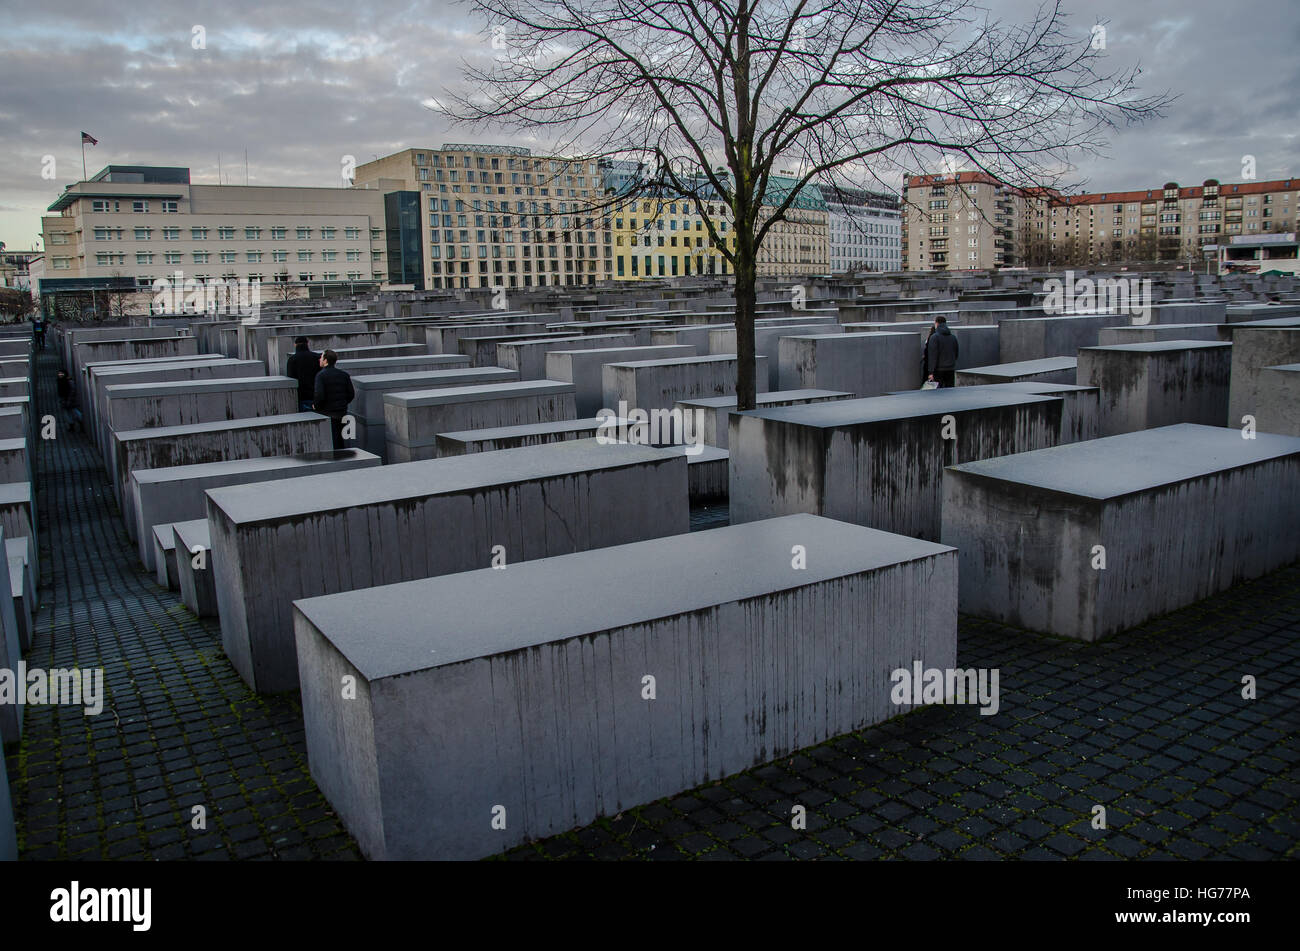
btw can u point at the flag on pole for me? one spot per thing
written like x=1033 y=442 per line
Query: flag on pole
x=86 y=137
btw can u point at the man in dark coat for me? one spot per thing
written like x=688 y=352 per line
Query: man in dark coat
x=333 y=393
x=303 y=366
x=941 y=354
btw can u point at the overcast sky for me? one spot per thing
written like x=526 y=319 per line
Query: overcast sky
x=301 y=83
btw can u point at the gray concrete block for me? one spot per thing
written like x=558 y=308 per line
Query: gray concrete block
x=339 y=532
x=1254 y=348
x=368 y=407
x=411 y=364
x=494 y=688
x=879 y=461
x=528 y=357
x=288 y=435
x=1038 y=338
x=194 y=574
x=1148 y=385
x=1050 y=370
x=1278 y=400
x=767 y=341
x=517 y=437
x=658 y=384
x=1180 y=513
x=717 y=409
x=176 y=493
x=8 y=832
x=585 y=369
x=863 y=364
x=413 y=421
x=1153 y=332
x=11 y=653
x=164 y=557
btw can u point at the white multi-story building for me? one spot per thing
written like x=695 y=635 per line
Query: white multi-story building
x=865 y=231
x=132 y=225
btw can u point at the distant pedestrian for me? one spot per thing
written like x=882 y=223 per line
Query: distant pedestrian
x=68 y=399
x=333 y=393
x=303 y=366
x=38 y=332
x=941 y=354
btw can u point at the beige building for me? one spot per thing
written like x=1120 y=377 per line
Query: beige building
x=961 y=221
x=1171 y=223
x=131 y=225
x=495 y=215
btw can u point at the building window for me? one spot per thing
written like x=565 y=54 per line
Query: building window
x=143 y=234
x=279 y=256
x=140 y=207
x=277 y=234
x=304 y=255
x=327 y=234
x=199 y=234
x=227 y=257
x=352 y=234
x=172 y=257
x=170 y=207
x=254 y=257
x=304 y=234
x=143 y=257
x=171 y=234
x=200 y=257
x=252 y=234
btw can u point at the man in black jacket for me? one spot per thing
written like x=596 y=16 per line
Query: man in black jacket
x=333 y=393
x=303 y=366
x=941 y=354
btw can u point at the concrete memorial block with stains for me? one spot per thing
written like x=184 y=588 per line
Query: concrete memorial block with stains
x=288 y=435
x=277 y=542
x=1048 y=370
x=368 y=407
x=176 y=493
x=1254 y=348
x=658 y=384
x=493 y=693
x=413 y=421
x=1092 y=538
x=716 y=410
x=194 y=574
x=767 y=341
x=1278 y=400
x=866 y=364
x=878 y=461
x=1148 y=385
x=585 y=369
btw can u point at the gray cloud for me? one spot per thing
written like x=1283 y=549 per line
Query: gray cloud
x=301 y=84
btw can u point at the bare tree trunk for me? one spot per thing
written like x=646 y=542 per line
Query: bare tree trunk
x=746 y=305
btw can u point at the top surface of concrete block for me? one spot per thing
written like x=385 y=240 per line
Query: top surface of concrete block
x=193 y=532
x=342 y=490
x=1045 y=365
x=217 y=385
x=250 y=422
x=673 y=361
x=1135 y=462
x=14 y=492
x=524 y=429
x=1163 y=346
x=486 y=612
x=772 y=396
x=467 y=394
x=203 y=470
x=874 y=409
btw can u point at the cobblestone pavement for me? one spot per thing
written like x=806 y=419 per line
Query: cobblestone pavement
x=1150 y=724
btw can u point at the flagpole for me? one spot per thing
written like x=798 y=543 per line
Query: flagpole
x=83 y=156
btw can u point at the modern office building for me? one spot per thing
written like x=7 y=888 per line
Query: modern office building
x=131 y=225
x=865 y=230
x=497 y=215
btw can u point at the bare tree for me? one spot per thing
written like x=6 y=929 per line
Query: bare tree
x=719 y=97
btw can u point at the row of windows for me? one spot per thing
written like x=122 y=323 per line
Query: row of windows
x=198 y=233
x=140 y=206
x=108 y=258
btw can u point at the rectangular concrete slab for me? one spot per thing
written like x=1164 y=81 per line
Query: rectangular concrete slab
x=400 y=522
x=1160 y=383
x=474 y=698
x=1092 y=538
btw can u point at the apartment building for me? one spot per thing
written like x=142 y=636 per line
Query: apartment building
x=960 y=221
x=864 y=230
x=131 y=225
x=1045 y=228
x=499 y=216
x=1170 y=223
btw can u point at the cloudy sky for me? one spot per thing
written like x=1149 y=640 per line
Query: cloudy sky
x=301 y=83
